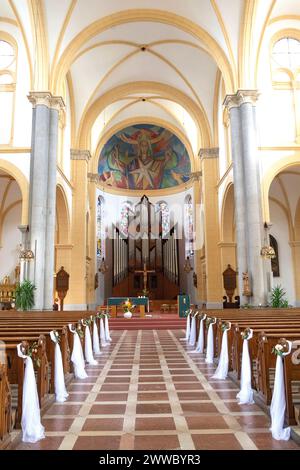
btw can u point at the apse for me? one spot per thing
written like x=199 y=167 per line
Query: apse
x=144 y=156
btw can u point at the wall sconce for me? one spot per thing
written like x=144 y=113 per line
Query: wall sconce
x=267 y=251
x=26 y=255
x=187 y=265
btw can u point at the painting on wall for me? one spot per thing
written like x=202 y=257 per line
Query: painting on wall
x=144 y=156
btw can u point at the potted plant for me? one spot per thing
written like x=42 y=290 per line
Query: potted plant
x=127 y=306
x=277 y=298
x=25 y=295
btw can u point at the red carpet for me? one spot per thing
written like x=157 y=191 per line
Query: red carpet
x=156 y=322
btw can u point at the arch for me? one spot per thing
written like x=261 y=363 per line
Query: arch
x=278 y=167
x=20 y=178
x=227 y=215
x=297 y=222
x=62 y=217
x=144 y=120
x=162 y=90
x=142 y=15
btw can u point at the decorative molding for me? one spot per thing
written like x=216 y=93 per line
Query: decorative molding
x=45 y=98
x=227 y=244
x=241 y=97
x=209 y=153
x=64 y=247
x=294 y=243
x=80 y=155
x=93 y=178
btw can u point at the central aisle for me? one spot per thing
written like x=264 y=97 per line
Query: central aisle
x=148 y=393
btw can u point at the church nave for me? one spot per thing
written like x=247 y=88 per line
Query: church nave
x=147 y=392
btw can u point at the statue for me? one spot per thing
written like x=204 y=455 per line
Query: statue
x=246 y=285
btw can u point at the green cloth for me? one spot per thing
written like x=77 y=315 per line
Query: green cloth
x=183 y=305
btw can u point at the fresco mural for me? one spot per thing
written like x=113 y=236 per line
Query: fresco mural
x=144 y=156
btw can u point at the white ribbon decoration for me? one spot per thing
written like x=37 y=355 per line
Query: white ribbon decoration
x=77 y=357
x=192 y=340
x=209 y=359
x=188 y=327
x=32 y=428
x=96 y=342
x=222 y=369
x=107 y=332
x=278 y=403
x=88 y=350
x=245 y=394
x=102 y=333
x=61 y=393
x=200 y=343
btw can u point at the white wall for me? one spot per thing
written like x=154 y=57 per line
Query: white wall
x=280 y=231
x=11 y=239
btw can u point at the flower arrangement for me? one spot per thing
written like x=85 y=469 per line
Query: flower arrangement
x=127 y=306
x=210 y=321
x=246 y=333
x=86 y=321
x=57 y=337
x=202 y=316
x=194 y=313
x=226 y=325
x=281 y=348
x=79 y=331
x=32 y=351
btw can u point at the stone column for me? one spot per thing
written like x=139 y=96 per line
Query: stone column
x=247 y=192
x=210 y=172
x=42 y=187
x=56 y=105
x=78 y=275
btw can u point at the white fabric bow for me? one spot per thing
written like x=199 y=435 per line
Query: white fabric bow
x=77 y=356
x=222 y=369
x=88 y=350
x=245 y=394
x=32 y=428
x=61 y=393
x=96 y=342
x=107 y=333
x=209 y=359
x=200 y=343
x=278 y=403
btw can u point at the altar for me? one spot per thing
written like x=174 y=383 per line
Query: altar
x=142 y=302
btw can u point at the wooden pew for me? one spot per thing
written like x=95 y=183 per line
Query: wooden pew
x=5 y=407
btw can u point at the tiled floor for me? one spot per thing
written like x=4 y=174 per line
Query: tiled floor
x=147 y=392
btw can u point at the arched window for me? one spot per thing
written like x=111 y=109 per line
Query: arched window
x=100 y=228
x=162 y=209
x=126 y=211
x=275 y=261
x=189 y=226
x=286 y=53
x=286 y=81
x=7 y=88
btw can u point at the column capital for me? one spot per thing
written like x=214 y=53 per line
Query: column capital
x=94 y=178
x=77 y=154
x=241 y=97
x=209 y=153
x=45 y=98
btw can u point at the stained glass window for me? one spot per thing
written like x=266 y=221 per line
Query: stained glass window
x=163 y=209
x=100 y=228
x=189 y=226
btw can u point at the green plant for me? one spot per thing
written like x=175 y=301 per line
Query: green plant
x=277 y=297
x=25 y=295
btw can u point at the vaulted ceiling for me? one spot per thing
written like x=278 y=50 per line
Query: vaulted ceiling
x=140 y=60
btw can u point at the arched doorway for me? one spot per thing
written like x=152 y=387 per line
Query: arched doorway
x=10 y=218
x=284 y=197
